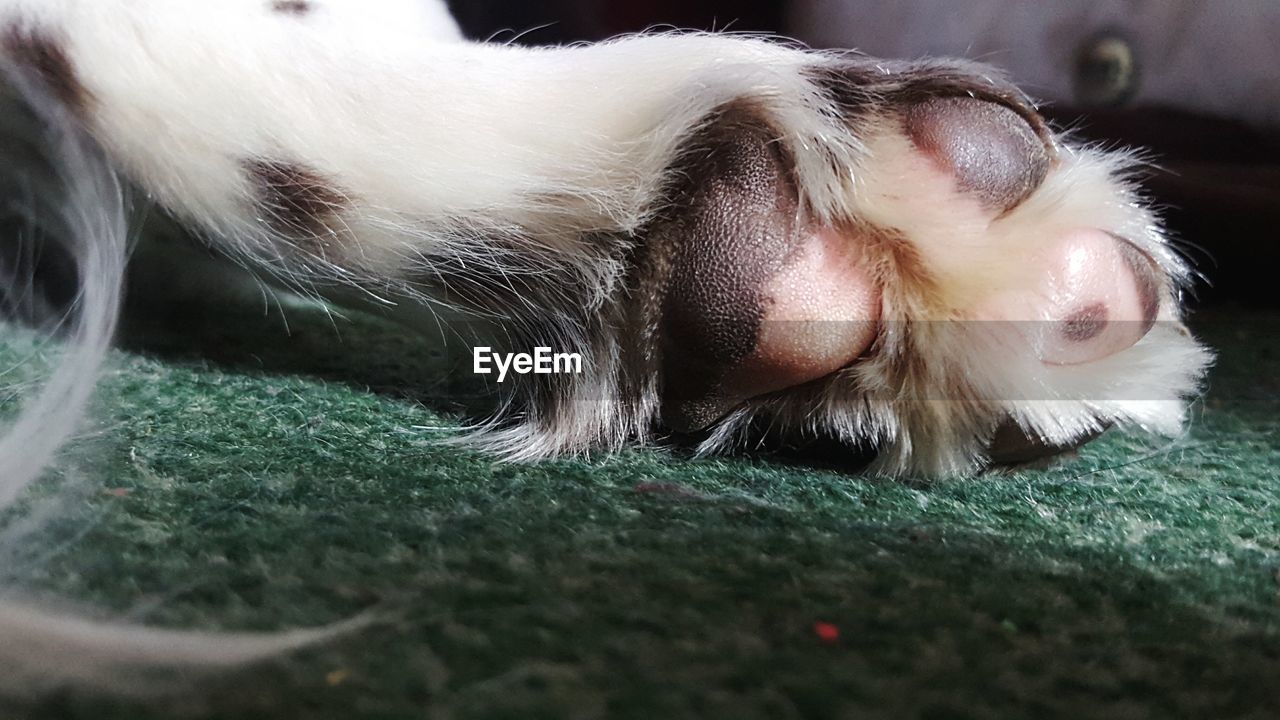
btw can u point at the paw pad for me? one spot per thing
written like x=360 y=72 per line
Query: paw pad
x=990 y=149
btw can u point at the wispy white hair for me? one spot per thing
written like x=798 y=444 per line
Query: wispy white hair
x=82 y=205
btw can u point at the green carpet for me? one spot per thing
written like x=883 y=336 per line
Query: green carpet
x=258 y=481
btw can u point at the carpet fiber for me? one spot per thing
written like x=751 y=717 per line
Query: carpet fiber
x=259 y=481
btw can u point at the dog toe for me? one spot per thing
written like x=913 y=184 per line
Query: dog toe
x=993 y=153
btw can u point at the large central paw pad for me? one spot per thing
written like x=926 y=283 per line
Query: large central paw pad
x=754 y=287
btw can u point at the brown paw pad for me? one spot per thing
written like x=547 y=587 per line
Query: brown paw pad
x=991 y=150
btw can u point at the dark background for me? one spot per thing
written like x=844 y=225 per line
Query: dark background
x=568 y=20
x=1218 y=184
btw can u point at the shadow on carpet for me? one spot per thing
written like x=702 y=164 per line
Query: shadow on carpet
x=257 y=480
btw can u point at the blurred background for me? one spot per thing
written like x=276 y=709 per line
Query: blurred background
x=567 y=20
x=1194 y=83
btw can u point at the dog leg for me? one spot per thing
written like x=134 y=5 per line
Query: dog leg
x=904 y=205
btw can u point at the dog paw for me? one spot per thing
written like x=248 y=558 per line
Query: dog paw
x=947 y=281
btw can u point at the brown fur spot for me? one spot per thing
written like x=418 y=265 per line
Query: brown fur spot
x=1085 y=324
x=297 y=199
x=42 y=53
x=292 y=7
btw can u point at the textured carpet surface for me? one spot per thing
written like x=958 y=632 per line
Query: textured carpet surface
x=258 y=480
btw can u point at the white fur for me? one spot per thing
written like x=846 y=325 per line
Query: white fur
x=42 y=648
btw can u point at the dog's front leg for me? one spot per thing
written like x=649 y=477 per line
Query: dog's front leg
x=726 y=228
x=255 y=123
